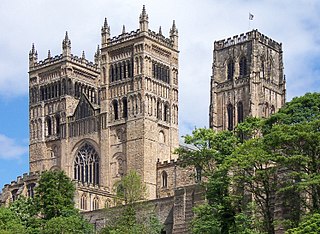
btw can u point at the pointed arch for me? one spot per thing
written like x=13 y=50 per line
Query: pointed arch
x=230 y=70
x=240 y=112
x=243 y=66
x=230 y=116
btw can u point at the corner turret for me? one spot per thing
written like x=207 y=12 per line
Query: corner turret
x=144 y=23
x=105 y=33
x=33 y=56
x=174 y=35
x=66 y=46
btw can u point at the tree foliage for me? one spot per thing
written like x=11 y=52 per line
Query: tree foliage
x=134 y=216
x=51 y=211
x=54 y=195
x=264 y=165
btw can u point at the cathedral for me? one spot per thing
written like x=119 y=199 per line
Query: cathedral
x=98 y=120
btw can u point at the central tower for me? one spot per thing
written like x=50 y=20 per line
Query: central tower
x=247 y=79
x=139 y=99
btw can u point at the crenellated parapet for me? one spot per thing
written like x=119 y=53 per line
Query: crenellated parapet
x=60 y=58
x=166 y=163
x=249 y=36
x=170 y=42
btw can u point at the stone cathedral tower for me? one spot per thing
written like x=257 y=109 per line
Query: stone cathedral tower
x=98 y=120
x=247 y=79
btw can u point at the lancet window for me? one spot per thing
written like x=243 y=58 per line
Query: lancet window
x=243 y=66
x=230 y=117
x=86 y=165
x=240 y=112
x=230 y=69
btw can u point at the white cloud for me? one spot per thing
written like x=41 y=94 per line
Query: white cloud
x=200 y=23
x=10 y=149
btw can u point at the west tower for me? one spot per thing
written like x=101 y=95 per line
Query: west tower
x=139 y=99
x=247 y=79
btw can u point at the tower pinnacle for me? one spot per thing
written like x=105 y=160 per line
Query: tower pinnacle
x=144 y=20
x=66 y=45
x=33 y=56
x=105 y=32
x=174 y=34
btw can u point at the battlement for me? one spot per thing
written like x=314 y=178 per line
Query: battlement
x=166 y=163
x=21 y=179
x=60 y=58
x=134 y=34
x=249 y=36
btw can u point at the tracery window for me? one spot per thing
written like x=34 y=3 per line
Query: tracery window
x=164 y=179
x=243 y=66
x=83 y=202
x=95 y=203
x=230 y=117
x=86 y=165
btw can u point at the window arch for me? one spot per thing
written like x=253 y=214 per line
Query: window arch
x=57 y=124
x=166 y=113
x=30 y=188
x=83 y=202
x=86 y=165
x=164 y=177
x=240 y=112
x=230 y=69
x=230 y=117
x=49 y=126
x=272 y=110
x=125 y=108
x=243 y=66
x=115 y=109
x=95 y=203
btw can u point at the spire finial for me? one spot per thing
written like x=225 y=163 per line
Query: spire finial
x=144 y=10
x=49 y=54
x=174 y=30
x=123 y=29
x=160 y=30
x=144 y=20
x=83 y=55
x=66 y=45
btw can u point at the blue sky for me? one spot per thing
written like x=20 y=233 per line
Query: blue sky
x=200 y=23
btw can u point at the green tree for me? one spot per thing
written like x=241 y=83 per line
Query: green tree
x=310 y=225
x=212 y=149
x=72 y=225
x=10 y=222
x=54 y=195
x=134 y=216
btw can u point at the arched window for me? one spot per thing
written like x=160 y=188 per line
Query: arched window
x=57 y=125
x=49 y=127
x=240 y=112
x=230 y=69
x=230 y=117
x=30 y=188
x=272 y=110
x=95 y=203
x=166 y=114
x=262 y=67
x=164 y=177
x=125 y=108
x=14 y=194
x=159 y=114
x=115 y=109
x=86 y=165
x=243 y=66
x=83 y=202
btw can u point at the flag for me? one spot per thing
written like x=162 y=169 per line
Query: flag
x=250 y=16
